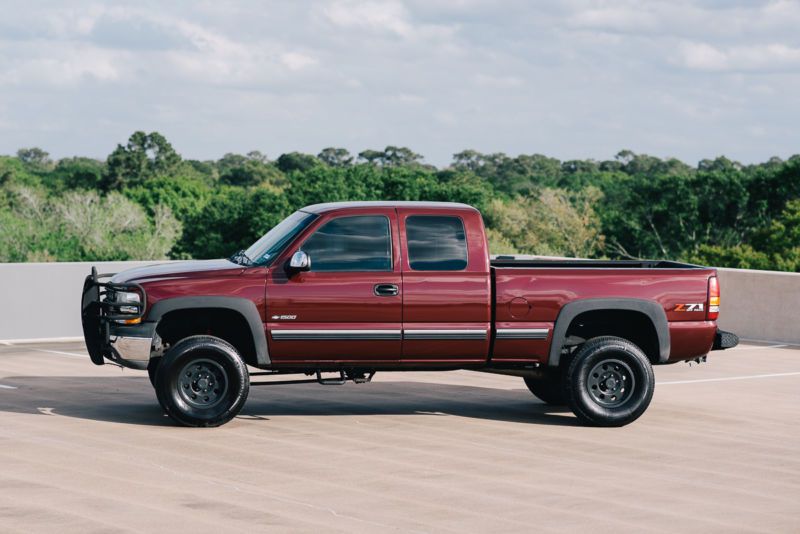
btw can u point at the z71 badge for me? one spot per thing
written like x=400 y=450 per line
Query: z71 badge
x=689 y=307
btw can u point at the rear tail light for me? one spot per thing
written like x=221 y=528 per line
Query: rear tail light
x=713 y=298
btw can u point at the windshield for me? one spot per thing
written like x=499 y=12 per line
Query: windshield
x=266 y=249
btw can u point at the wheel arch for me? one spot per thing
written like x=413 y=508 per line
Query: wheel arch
x=244 y=309
x=648 y=310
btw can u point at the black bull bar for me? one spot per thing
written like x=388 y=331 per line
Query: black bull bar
x=97 y=312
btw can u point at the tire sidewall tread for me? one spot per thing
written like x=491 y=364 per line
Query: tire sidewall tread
x=578 y=396
x=212 y=348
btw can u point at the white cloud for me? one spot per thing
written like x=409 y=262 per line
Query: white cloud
x=67 y=64
x=703 y=56
x=499 y=82
x=621 y=18
x=758 y=57
x=407 y=98
x=297 y=60
x=390 y=16
x=570 y=78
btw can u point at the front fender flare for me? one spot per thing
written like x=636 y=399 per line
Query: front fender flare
x=246 y=308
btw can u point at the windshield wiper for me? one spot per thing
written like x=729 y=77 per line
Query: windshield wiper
x=241 y=258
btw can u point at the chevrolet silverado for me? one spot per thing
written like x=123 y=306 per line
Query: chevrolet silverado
x=359 y=287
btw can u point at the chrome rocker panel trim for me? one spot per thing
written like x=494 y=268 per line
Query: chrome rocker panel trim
x=305 y=335
x=522 y=333
x=461 y=334
x=345 y=334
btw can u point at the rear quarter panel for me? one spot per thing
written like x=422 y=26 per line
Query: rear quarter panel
x=533 y=298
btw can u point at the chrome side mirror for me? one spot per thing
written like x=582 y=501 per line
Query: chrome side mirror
x=300 y=262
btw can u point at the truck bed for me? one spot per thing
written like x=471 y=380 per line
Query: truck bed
x=572 y=263
x=534 y=294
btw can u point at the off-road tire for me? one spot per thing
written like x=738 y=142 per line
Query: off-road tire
x=202 y=381
x=609 y=382
x=152 y=366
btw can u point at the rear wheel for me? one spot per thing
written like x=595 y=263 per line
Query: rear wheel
x=549 y=388
x=202 y=381
x=609 y=382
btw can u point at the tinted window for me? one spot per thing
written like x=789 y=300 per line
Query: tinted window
x=359 y=243
x=266 y=249
x=436 y=243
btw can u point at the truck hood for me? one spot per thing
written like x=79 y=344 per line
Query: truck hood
x=177 y=269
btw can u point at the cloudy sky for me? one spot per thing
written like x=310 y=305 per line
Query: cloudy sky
x=570 y=79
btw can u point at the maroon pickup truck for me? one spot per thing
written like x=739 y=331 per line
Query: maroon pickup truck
x=359 y=287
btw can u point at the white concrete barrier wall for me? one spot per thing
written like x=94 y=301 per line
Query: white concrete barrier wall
x=42 y=301
x=760 y=305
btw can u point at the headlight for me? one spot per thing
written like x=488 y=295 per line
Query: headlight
x=126 y=297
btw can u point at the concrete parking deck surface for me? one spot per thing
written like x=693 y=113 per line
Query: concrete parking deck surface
x=86 y=449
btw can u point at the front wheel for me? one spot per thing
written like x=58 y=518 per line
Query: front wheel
x=152 y=367
x=202 y=381
x=609 y=382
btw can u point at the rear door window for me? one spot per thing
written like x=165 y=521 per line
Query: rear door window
x=436 y=243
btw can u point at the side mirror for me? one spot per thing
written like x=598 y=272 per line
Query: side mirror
x=300 y=262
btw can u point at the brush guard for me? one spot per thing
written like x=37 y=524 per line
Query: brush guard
x=98 y=311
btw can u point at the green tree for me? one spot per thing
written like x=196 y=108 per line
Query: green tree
x=35 y=158
x=373 y=157
x=77 y=173
x=335 y=157
x=145 y=156
x=395 y=156
x=556 y=223
x=233 y=219
x=295 y=161
x=80 y=226
x=391 y=156
x=736 y=257
x=185 y=197
x=14 y=172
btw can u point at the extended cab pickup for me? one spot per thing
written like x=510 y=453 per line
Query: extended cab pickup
x=355 y=288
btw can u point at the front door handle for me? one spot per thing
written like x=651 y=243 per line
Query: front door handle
x=386 y=290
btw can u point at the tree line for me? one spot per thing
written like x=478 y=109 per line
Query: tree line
x=147 y=202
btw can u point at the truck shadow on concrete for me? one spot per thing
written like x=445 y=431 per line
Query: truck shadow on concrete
x=131 y=400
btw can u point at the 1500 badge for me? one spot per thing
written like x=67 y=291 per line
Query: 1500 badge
x=689 y=307
x=284 y=317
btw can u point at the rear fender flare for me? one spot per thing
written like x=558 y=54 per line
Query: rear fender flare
x=572 y=309
x=246 y=308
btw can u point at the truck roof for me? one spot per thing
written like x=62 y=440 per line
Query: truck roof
x=329 y=206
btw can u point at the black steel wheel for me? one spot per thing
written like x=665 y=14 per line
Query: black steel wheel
x=609 y=382
x=549 y=388
x=202 y=381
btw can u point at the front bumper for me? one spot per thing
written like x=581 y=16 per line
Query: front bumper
x=127 y=345
x=132 y=346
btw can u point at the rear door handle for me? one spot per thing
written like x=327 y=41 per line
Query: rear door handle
x=386 y=290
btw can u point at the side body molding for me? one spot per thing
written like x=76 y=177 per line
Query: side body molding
x=246 y=308
x=647 y=307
